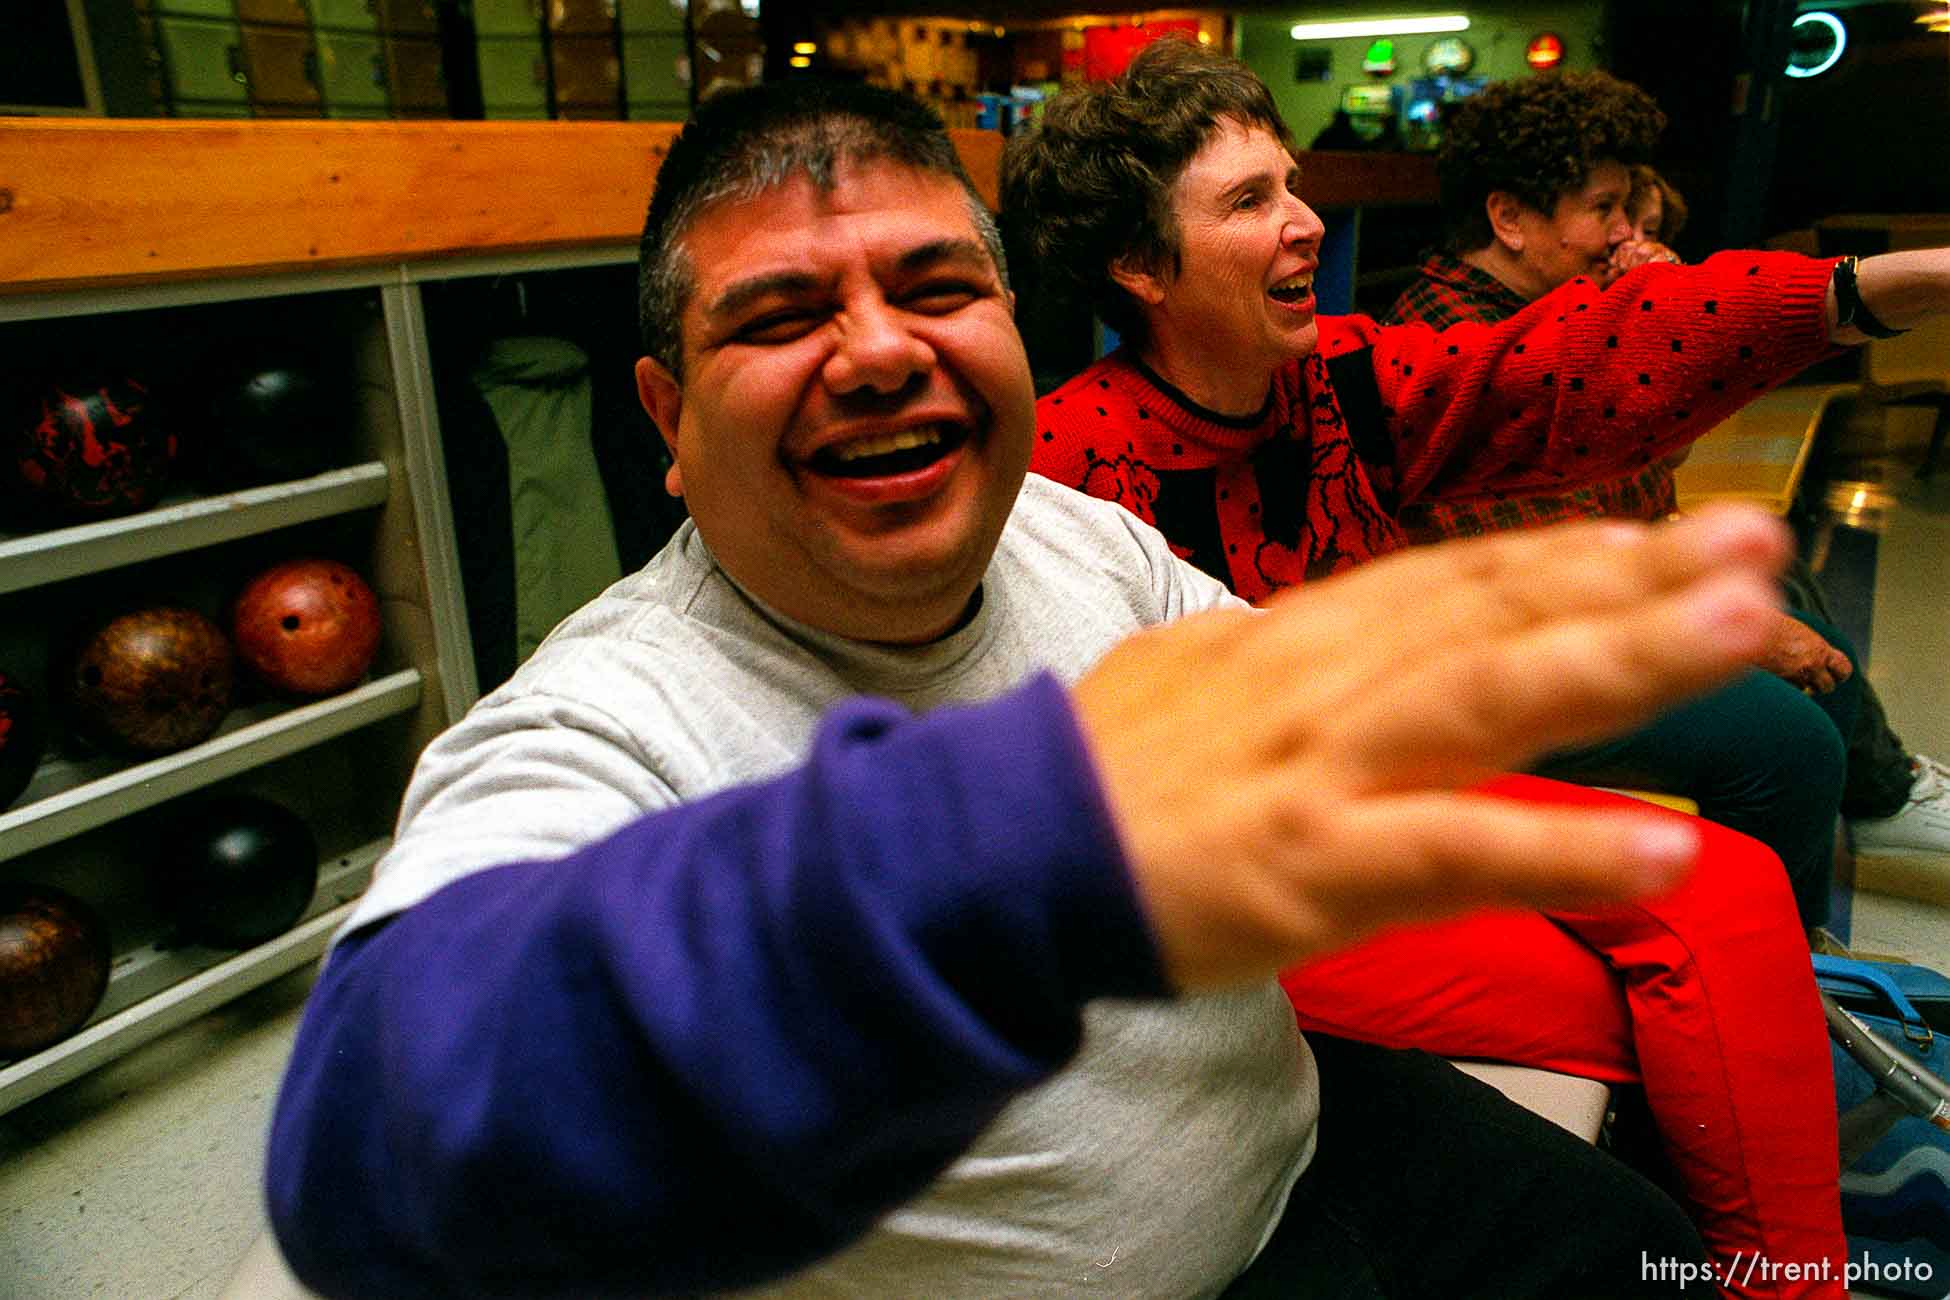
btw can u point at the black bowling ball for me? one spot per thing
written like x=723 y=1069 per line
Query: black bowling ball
x=236 y=870
x=270 y=424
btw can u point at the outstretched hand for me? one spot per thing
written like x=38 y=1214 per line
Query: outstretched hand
x=1289 y=781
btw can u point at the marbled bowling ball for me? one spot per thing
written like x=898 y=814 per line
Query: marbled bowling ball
x=54 y=962
x=92 y=450
x=23 y=738
x=236 y=870
x=307 y=627
x=150 y=681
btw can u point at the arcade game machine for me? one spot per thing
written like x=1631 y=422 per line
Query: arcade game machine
x=1444 y=80
x=1425 y=103
x=1376 y=111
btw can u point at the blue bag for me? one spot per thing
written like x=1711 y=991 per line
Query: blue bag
x=1896 y=1194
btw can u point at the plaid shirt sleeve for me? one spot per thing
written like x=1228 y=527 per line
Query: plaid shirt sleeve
x=1443 y=302
x=1450 y=292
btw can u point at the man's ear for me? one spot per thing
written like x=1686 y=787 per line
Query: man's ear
x=1142 y=284
x=663 y=398
x=1505 y=211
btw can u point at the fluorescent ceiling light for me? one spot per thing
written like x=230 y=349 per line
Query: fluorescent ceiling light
x=1360 y=27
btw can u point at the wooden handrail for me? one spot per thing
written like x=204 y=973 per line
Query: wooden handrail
x=89 y=202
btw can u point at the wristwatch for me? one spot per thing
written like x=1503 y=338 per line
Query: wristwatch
x=1850 y=310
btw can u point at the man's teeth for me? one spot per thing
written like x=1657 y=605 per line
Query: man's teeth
x=885 y=443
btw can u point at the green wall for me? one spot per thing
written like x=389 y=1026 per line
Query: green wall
x=1498 y=35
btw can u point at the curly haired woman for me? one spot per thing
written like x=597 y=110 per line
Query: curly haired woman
x=1543 y=182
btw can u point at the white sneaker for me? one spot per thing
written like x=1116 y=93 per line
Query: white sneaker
x=1909 y=853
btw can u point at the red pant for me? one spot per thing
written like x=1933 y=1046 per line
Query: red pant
x=1706 y=997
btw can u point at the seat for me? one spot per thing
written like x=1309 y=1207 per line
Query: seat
x=1570 y=1101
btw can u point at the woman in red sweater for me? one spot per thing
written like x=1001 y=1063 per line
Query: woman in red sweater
x=1535 y=192
x=1272 y=446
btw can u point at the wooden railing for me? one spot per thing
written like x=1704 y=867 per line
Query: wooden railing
x=92 y=202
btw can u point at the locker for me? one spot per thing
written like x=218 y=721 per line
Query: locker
x=351 y=72
x=345 y=15
x=513 y=74
x=279 y=63
x=587 y=70
x=413 y=72
x=203 y=60
x=507 y=17
x=581 y=17
x=288 y=13
x=651 y=70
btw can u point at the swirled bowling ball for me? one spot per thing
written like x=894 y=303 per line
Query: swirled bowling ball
x=23 y=738
x=150 y=681
x=54 y=962
x=92 y=450
x=236 y=870
x=307 y=627
x=270 y=424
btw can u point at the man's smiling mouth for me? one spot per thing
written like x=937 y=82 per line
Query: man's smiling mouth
x=886 y=454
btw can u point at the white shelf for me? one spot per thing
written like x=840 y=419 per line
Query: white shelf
x=144 y=972
x=372 y=318
x=110 y=300
x=68 y=798
x=153 y=990
x=35 y=559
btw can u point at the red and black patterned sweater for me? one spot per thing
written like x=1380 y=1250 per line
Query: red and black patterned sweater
x=1452 y=291
x=1579 y=386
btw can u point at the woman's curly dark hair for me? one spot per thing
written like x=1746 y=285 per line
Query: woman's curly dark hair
x=1538 y=138
x=1092 y=183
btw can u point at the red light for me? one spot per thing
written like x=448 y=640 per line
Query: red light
x=1546 y=50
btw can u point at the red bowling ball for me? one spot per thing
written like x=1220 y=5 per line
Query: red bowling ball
x=307 y=627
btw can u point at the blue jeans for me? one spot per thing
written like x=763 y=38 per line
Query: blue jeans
x=1756 y=755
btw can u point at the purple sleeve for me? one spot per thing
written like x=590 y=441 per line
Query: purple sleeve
x=721 y=1042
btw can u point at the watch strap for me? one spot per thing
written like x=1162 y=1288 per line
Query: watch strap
x=1850 y=310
